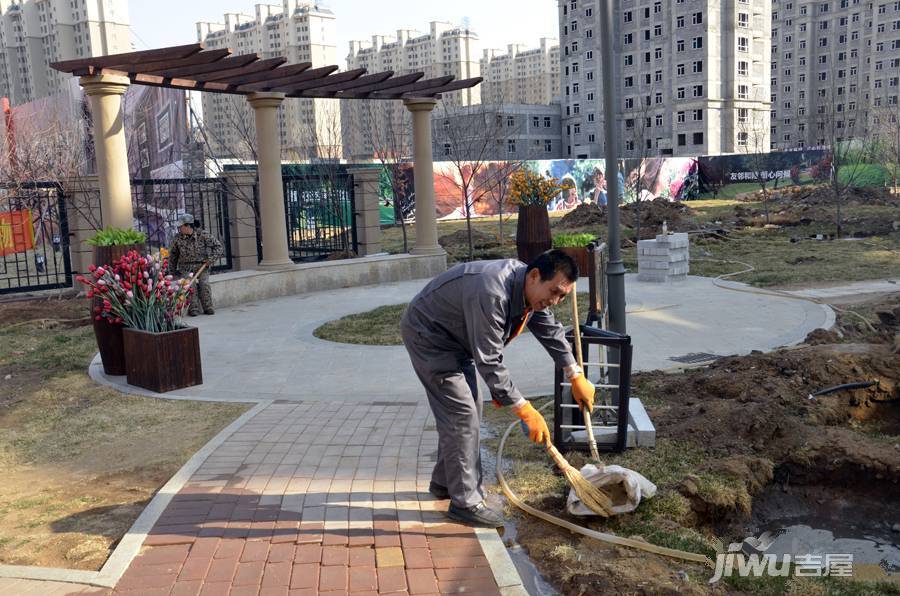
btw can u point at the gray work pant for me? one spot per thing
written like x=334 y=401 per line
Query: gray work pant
x=456 y=405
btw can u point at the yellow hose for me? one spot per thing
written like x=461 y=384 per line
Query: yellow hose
x=602 y=536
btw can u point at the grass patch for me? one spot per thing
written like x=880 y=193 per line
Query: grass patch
x=80 y=461
x=377 y=327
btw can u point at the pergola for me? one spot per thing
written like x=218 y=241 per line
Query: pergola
x=265 y=83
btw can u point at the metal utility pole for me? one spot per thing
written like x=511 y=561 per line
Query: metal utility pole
x=615 y=273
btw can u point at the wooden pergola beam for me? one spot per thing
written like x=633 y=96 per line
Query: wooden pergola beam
x=277 y=73
x=295 y=88
x=261 y=66
x=130 y=58
x=164 y=65
x=435 y=91
x=271 y=84
x=229 y=63
x=360 y=81
x=363 y=91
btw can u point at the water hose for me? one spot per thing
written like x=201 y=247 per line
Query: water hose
x=844 y=387
x=601 y=536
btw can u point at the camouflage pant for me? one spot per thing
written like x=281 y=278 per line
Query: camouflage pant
x=202 y=300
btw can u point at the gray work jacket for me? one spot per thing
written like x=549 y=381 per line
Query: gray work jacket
x=468 y=313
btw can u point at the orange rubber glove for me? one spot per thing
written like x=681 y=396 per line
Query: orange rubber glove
x=537 y=426
x=583 y=392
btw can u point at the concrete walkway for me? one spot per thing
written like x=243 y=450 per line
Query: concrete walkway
x=323 y=487
x=266 y=350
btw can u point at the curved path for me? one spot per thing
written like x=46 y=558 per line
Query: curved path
x=267 y=350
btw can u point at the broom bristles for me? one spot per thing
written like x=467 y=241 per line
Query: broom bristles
x=593 y=498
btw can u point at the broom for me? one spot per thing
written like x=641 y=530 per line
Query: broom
x=595 y=499
x=592 y=443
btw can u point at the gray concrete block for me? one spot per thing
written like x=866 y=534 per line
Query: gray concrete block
x=639 y=419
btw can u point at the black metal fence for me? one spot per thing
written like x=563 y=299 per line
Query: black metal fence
x=34 y=238
x=158 y=203
x=319 y=209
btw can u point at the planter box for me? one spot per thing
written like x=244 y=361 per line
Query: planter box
x=163 y=362
x=110 y=345
x=580 y=254
x=109 y=337
x=532 y=232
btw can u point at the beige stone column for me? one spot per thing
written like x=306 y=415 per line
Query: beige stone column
x=368 y=214
x=271 y=192
x=426 y=218
x=242 y=219
x=106 y=93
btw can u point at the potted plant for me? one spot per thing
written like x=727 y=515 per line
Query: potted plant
x=110 y=245
x=575 y=245
x=161 y=353
x=532 y=192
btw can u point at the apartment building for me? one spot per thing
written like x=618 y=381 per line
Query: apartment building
x=522 y=75
x=446 y=49
x=491 y=131
x=835 y=69
x=36 y=33
x=301 y=31
x=691 y=75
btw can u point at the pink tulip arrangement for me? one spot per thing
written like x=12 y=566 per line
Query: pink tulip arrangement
x=136 y=292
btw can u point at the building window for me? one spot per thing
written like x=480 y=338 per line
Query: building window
x=546 y=121
x=679 y=117
x=447 y=149
x=743 y=68
x=698 y=90
x=697 y=18
x=743 y=44
x=697 y=66
x=697 y=43
x=696 y=115
x=680 y=93
x=510 y=121
x=698 y=138
x=510 y=145
x=548 y=146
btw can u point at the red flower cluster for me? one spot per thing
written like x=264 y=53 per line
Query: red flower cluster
x=136 y=292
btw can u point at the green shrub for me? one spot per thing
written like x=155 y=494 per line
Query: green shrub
x=117 y=237
x=572 y=240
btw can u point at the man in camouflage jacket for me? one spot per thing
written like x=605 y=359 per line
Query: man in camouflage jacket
x=191 y=248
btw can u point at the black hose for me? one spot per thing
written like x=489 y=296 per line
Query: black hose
x=844 y=387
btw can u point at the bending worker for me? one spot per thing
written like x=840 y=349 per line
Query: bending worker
x=191 y=248
x=459 y=324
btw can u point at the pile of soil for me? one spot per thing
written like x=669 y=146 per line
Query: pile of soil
x=755 y=420
x=652 y=215
x=458 y=241
x=803 y=205
x=584 y=215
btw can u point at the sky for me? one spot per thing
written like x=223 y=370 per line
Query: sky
x=159 y=23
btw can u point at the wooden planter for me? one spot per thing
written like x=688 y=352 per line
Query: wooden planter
x=580 y=254
x=108 y=335
x=163 y=362
x=532 y=232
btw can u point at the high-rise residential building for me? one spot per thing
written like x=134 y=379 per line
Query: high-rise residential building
x=522 y=75
x=445 y=50
x=299 y=30
x=690 y=75
x=835 y=69
x=36 y=33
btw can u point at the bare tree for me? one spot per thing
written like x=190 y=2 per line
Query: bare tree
x=886 y=138
x=845 y=131
x=638 y=130
x=389 y=130
x=472 y=137
x=753 y=141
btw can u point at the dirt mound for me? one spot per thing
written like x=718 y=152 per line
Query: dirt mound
x=583 y=216
x=754 y=419
x=652 y=215
x=875 y=322
x=459 y=240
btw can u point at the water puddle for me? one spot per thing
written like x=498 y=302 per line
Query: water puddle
x=532 y=580
x=821 y=522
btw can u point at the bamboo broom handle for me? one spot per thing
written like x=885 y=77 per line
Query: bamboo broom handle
x=576 y=327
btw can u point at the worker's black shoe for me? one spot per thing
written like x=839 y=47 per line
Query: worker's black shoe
x=478 y=515
x=438 y=491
